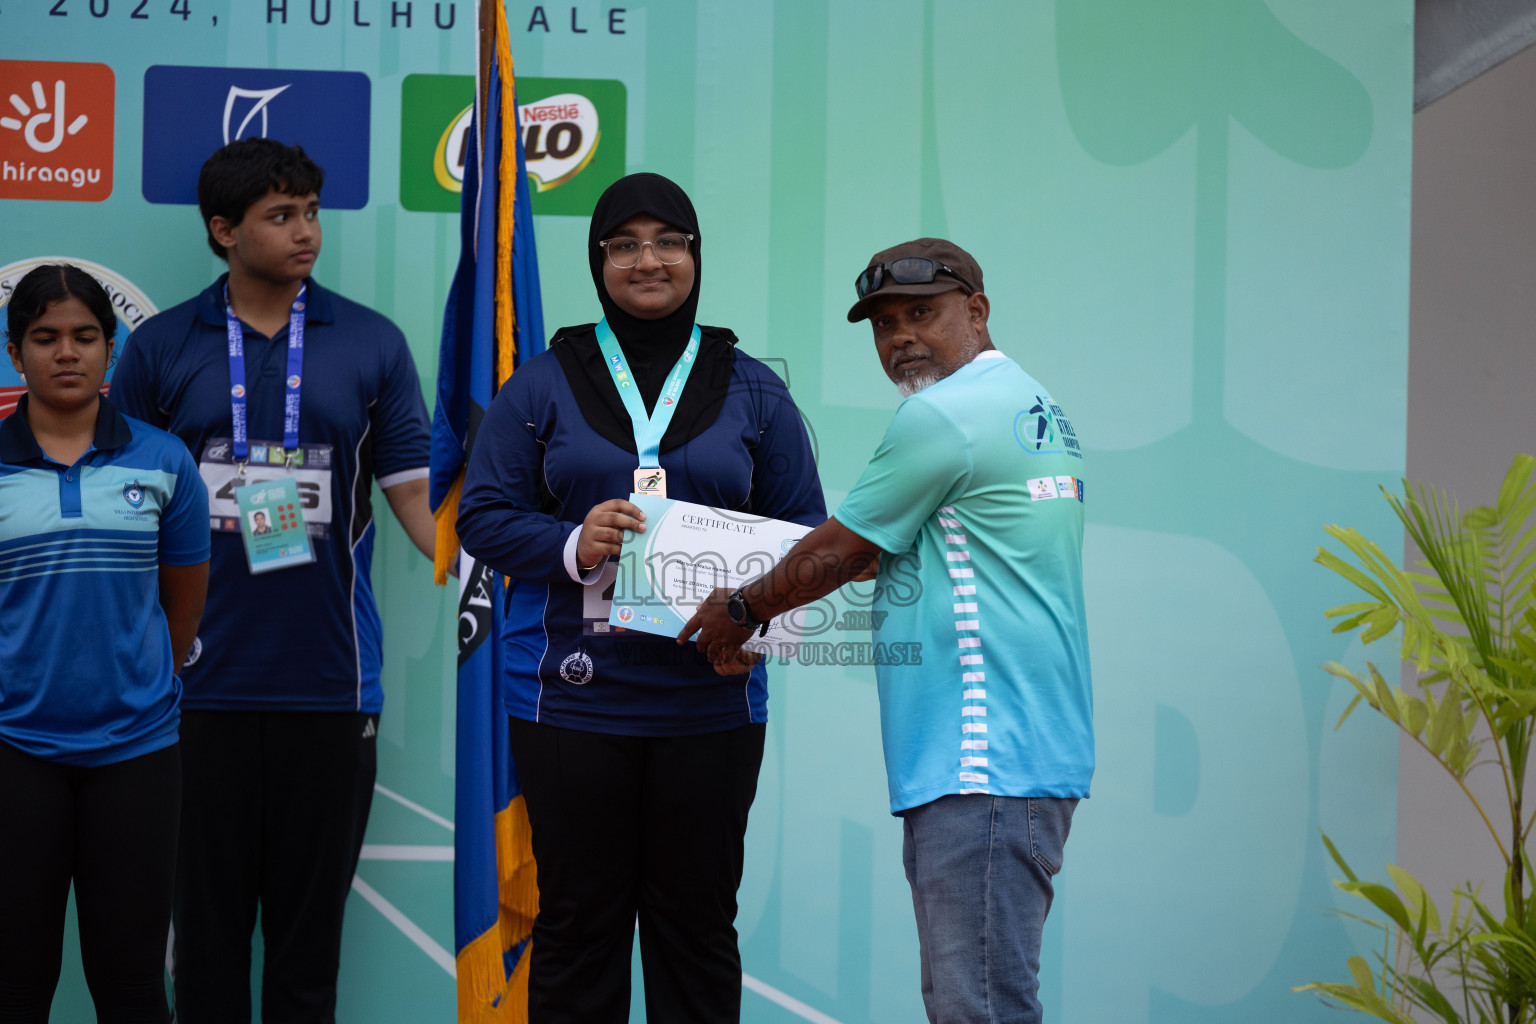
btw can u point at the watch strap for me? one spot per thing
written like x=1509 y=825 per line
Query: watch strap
x=750 y=621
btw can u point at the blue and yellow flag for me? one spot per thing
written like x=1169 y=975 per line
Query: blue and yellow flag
x=493 y=321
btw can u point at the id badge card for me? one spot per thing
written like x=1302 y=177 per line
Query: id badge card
x=272 y=525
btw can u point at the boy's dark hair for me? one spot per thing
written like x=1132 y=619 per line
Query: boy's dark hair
x=236 y=176
x=54 y=282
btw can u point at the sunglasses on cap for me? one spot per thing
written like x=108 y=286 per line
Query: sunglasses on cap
x=908 y=270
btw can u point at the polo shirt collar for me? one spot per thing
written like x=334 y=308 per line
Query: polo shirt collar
x=18 y=444
x=318 y=308
x=112 y=430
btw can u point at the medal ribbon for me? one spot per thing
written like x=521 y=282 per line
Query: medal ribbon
x=241 y=429
x=648 y=429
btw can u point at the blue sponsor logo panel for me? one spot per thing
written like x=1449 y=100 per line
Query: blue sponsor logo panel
x=190 y=112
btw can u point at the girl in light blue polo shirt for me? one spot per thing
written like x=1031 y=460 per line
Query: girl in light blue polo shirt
x=103 y=573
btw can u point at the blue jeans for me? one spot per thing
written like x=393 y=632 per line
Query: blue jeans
x=980 y=868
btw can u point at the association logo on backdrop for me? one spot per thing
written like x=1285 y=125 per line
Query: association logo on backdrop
x=130 y=304
x=191 y=111
x=56 y=130
x=572 y=131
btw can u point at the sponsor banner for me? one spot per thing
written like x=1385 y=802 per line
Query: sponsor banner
x=56 y=124
x=191 y=111
x=435 y=112
x=1168 y=198
x=571 y=130
x=573 y=136
x=130 y=304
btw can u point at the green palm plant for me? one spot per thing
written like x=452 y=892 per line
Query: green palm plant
x=1468 y=626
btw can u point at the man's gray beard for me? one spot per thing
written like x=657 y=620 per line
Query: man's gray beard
x=909 y=386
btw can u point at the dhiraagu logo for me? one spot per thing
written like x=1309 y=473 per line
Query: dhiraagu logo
x=56 y=130
x=572 y=131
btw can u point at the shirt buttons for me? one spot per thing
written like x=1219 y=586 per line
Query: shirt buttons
x=69 y=477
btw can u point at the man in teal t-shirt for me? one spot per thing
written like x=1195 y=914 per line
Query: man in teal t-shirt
x=976 y=490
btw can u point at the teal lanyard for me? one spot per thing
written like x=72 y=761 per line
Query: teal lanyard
x=648 y=429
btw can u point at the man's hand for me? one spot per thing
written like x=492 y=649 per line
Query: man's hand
x=602 y=531
x=719 y=637
x=822 y=561
x=739 y=667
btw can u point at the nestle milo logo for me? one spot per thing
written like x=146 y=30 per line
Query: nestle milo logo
x=560 y=136
x=571 y=130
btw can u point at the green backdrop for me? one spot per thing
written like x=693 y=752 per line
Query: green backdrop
x=1193 y=219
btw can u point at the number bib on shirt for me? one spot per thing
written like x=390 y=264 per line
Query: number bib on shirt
x=311 y=473
x=597 y=603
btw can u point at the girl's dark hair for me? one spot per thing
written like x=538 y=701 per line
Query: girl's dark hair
x=239 y=174
x=54 y=282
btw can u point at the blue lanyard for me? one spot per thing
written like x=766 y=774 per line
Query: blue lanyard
x=648 y=429
x=290 y=386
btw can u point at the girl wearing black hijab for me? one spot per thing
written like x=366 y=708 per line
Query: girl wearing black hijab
x=638 y=762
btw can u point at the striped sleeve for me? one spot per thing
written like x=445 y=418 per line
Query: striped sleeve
x=184 y=534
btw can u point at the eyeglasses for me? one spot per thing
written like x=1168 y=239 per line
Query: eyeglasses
x=624 y=252
x=911 y=270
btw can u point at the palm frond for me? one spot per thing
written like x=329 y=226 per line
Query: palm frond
x=1466 y=619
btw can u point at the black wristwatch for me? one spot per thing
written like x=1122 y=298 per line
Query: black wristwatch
x=736 y=608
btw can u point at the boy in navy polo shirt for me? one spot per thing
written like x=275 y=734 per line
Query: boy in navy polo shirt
x=267 y=376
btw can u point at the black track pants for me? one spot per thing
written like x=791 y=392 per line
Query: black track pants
x=275 y=808
x=111 y=829
x=627 y=825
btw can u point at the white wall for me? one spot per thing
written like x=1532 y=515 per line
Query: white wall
x=1471 y=382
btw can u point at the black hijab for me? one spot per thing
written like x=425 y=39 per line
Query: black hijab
x=651 y=347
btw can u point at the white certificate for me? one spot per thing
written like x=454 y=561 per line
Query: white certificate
x=687 y=551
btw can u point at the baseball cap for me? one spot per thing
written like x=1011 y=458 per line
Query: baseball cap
x=962 y=272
